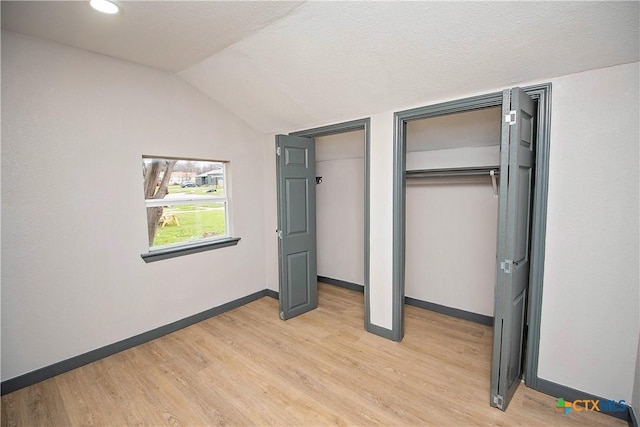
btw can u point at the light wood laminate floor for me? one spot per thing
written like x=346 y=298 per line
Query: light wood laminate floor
x=247 y=367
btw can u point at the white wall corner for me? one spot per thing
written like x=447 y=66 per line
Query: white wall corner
x=381 y=220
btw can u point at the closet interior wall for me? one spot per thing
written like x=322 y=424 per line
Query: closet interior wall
x=451 y=223
x=340 y=206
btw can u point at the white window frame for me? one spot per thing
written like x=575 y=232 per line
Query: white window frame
x=183 y=248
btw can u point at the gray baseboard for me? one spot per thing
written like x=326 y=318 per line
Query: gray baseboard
x=341 y=283
x=449 y=311
x=571 y=394
x=271 y=293
x=380 y=331
x=51 y=371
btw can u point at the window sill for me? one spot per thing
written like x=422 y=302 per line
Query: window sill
x=161 y=254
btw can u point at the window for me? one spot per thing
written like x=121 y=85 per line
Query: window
x=187 y=206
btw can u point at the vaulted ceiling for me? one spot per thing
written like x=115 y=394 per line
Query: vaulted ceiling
x=288 y=65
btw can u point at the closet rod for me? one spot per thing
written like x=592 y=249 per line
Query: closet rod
x=441 y=173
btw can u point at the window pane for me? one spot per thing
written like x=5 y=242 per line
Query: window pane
x=186 y=200
x=197 y=177
x=186 y=176
x=188 y=223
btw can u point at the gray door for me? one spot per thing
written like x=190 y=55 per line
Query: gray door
x=296 y=185
x=512 y=282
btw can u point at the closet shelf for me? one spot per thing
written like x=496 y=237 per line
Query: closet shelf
x=452 y=172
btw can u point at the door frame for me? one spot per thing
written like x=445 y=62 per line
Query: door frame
x=354 y=125
x=540 y=93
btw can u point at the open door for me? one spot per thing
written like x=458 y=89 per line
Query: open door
x=296 y=185
x=512 y=282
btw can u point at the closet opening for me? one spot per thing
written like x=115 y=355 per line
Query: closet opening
x=323 y=214
x=340 y=209
x=470 y=192
x=452 y=213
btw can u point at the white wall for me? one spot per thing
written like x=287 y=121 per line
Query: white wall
x=340 y=206
x=451 y=242
x=468 y=157
x=477 y=128
x=75 y=125
x=381 y=220
x=591 y=301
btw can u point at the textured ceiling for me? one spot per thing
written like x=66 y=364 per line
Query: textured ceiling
x=334 y=61
x=286 y=66
x=168 y=35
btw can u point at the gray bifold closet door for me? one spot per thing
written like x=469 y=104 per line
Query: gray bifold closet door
x=296 y=187
x=512 y=279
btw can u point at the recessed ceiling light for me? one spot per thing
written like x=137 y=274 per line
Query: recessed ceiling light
x=105 y=6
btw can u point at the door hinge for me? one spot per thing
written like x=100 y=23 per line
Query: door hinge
x=506 y=265
x=278 y=151
x=279 y=234
x=498 y=401
x=510 y=118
